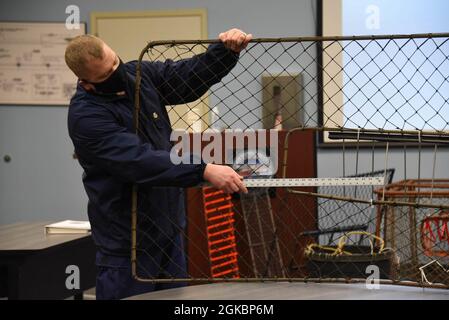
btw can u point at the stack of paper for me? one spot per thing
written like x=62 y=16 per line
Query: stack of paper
x=68 y=226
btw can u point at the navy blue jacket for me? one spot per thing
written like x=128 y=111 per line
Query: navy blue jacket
x=114 y=157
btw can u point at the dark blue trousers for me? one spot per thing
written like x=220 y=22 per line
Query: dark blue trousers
x=114 y=277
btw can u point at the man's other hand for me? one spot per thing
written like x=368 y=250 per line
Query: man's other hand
x=235 y=39
x=224 y=178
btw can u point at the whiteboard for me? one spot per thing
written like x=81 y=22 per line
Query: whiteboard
x=32 y=65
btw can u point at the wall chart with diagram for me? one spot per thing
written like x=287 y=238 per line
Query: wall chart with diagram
x=32 y=66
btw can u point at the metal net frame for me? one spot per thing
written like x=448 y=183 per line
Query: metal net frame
x=365 y=96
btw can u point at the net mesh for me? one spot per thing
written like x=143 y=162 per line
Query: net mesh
x=360 y=95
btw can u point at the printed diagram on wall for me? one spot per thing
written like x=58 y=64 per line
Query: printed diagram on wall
x=32 y=66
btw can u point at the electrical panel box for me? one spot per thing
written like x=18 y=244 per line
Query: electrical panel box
x=282 y=101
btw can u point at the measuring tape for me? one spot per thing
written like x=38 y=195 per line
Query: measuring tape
x=313 y=182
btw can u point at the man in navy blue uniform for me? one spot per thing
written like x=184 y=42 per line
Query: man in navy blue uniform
x=114 y=158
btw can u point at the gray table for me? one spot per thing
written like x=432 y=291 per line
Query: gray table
x=294 y=291
x=33 y=264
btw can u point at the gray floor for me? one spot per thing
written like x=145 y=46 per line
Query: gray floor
x=295 y=291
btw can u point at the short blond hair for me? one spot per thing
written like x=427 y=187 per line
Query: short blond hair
x=80 y=49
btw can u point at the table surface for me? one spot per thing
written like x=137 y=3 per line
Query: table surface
x=26 y=236
x=294 y=291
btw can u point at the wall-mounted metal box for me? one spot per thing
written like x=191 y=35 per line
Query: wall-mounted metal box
x=282 y=101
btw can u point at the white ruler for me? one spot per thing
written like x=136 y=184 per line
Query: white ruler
x=313 y=182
